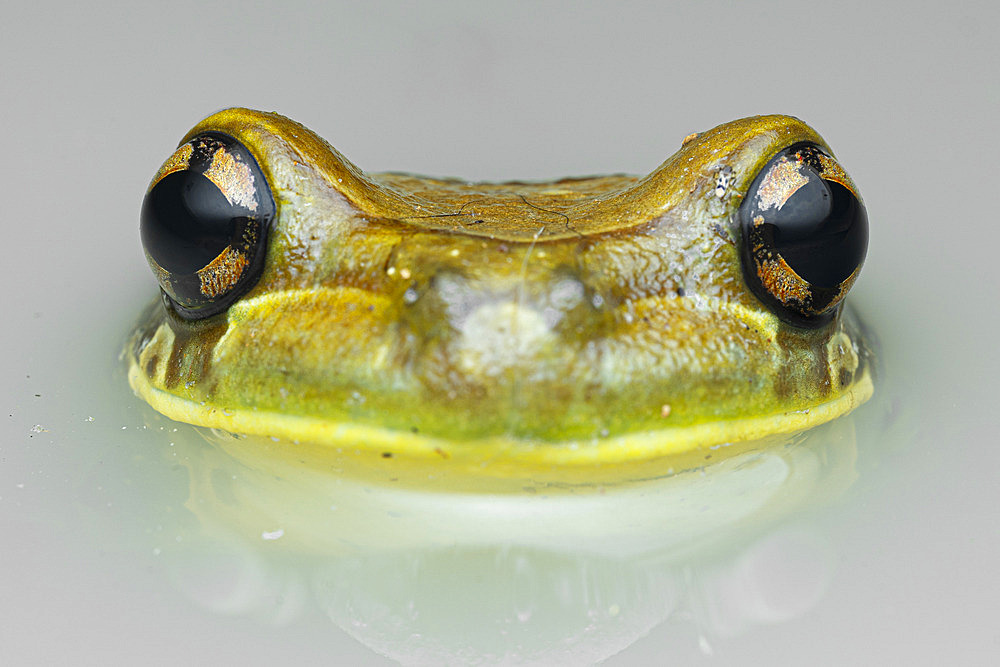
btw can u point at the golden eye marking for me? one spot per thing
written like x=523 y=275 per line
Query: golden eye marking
x=233 y=178
x=179 y=161
x=782 y=282
x=781 y=182
x=848 y=283
x=223 y=272
x=249 y=237
x=832 y=171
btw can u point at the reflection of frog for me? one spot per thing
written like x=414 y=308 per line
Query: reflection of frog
x=456 y=577
x=579 y=321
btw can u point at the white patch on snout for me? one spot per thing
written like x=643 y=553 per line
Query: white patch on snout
x=496 y=336
x=564 y=295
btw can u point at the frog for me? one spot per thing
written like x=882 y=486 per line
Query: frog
x=614 y=322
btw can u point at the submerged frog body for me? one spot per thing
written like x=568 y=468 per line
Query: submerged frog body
x=602 y=320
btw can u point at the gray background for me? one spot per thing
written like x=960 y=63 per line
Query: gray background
x=96 y=95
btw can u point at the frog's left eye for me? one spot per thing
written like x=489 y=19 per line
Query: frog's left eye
x=204 y=224
x=804 y=233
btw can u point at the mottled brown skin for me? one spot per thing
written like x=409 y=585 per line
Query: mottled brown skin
x=573 y=311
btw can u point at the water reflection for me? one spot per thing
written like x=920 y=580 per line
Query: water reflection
x=572 y=574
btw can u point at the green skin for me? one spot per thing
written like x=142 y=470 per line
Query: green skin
x=562 y=312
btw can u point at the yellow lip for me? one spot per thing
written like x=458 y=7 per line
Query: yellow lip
x=614 y=459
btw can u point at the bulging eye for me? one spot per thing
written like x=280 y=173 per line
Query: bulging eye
x=805 y=235
x=204 y=224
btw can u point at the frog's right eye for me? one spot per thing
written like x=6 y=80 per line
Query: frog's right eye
x=204 y=224
x=805 y=234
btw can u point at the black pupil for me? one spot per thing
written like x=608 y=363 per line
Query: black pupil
x=821 y=231
x=186 y=222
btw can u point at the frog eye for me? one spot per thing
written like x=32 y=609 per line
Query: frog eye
x=204 y=224
x=805 y=234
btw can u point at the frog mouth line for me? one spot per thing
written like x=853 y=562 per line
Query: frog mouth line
x=502 y=453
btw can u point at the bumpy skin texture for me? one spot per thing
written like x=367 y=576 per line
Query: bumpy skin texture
x=434 y=314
